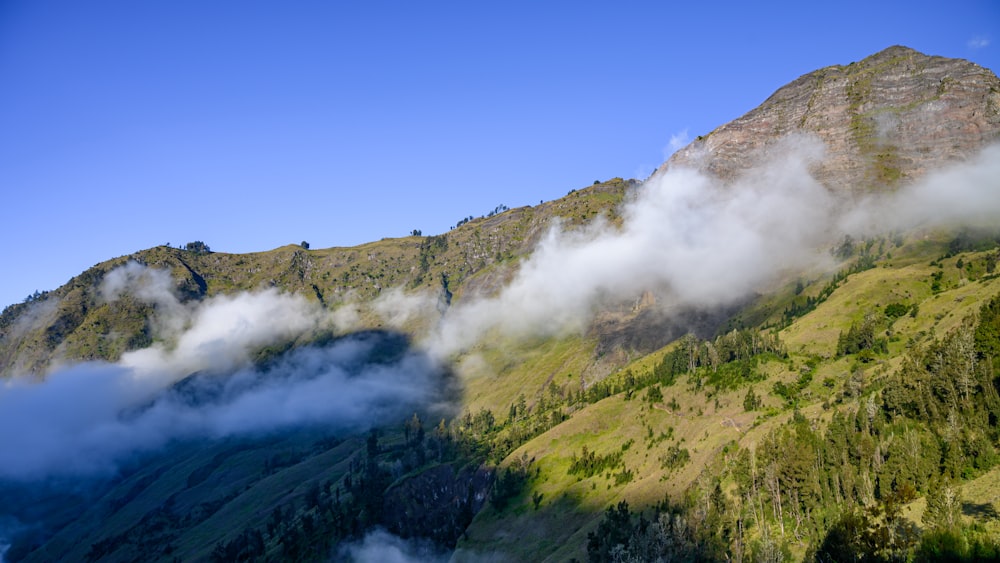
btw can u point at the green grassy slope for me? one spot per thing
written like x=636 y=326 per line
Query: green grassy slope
x=712 y=424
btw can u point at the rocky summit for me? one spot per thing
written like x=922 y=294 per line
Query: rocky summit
x=884 y=120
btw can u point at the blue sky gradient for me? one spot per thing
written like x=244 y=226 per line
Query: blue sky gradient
x=250 y=125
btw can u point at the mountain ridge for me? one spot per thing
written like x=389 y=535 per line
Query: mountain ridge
x=73 y=322
x=842 y=105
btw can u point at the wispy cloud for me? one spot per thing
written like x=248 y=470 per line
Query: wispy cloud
x=677 y=141
x=978 y=42
x=382 y=547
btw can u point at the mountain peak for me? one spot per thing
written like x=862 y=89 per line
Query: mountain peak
x=884 y=120
x=894 y=51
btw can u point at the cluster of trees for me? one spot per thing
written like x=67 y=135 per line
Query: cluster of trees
x=588 y=463
x=247 y=546
x=879 y=532
x=790 y=392
x=197 y=247
x=496 y=211
x=510 y=483
x=727 y=362
x=308 y=526
x=36 y=296
x=673 y=533
x=430 y=248
x=972 y=239
x=935 y=421
x=674 y=458
x=841 y=489
x=463 y=221
x=868 y=336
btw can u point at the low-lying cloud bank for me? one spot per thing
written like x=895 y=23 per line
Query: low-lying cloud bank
x=698 y=242
x=379 y=546
x=691 y=239
x=85 y=419
x=966 y=194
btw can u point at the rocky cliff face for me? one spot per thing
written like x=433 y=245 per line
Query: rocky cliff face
x=884 y=120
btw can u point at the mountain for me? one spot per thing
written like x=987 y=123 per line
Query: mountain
x=885 y=120
x=763 y=352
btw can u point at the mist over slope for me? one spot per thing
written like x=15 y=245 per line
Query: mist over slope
x=691 y=240
x=697 y=242
x=199 y=381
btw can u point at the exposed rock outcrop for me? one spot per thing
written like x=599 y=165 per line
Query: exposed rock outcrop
x=884 y=120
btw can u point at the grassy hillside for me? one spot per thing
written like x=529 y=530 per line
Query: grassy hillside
x=74 y=322
x=690 y=436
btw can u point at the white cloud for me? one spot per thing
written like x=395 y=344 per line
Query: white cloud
x=379 y=546
x=398 y=308
x=978 y=42
x=150 y=285
x=964 y=194
x=692 y=239
x=677 y=142
x=224 y=329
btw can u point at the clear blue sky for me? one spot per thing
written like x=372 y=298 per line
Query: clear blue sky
x=250 y=124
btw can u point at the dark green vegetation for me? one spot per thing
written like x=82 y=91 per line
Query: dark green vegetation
x=293 y=497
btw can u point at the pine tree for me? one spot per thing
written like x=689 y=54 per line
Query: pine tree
x=944 y=505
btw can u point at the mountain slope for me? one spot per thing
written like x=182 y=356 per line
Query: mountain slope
x=76 y=322
x=706 y=426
